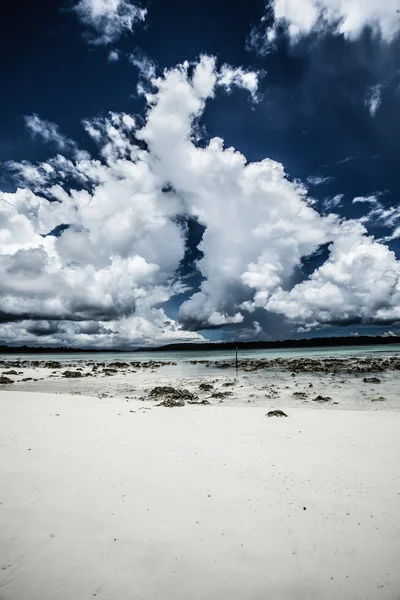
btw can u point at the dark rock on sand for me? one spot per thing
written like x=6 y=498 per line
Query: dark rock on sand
x=276 y=413
x=52 y=364
x=172 y=402
x=300 y=394
x=72 y=374
x=379 y=399
x=171 y=393
x=221 y=394
x=371 y=380
x=5 y=380
x=206 y=387
x=322 y=399
x=12 y=372
x=199 y=402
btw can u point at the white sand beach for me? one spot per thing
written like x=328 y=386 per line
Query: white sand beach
x=111 y=498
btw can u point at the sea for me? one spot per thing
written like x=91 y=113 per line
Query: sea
x=213 y=355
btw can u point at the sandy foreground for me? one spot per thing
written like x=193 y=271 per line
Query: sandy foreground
x=109 y=499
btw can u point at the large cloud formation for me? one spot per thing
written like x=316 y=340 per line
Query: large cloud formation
x=349 y=18
x=120 y=238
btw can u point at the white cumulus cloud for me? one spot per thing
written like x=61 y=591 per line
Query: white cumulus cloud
x=108 y=20
x=104 y=279
x=340 y=17
x=359 y=283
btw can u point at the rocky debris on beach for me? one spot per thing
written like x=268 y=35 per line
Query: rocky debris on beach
x=172 y=402
x=200 y=362
x=199 y=402
x=276 y=413
x=72 y=374
x=152 y=364
x=12 y=372
x=332 y=365
x=171 y=393
x=94 y=365
x=28 y=379
x=5 y=380
x=206 y=387
x=371 y=380
x=321 y=399
x=221 y=394
x=378 y=399
x=108 y=371
x=272 y=391
x=300 y=394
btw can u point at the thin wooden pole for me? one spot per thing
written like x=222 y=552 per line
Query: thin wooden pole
x=237 y=366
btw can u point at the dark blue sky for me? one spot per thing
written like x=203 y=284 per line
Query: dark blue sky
x=311 y=116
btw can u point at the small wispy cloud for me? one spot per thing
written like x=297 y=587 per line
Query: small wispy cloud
x=373 y=199
x=147 y=68
x=49 y=132
x=317 y=180
x=395 y=235
x=113 y=56
x=373 y=99
x=381 y=215
x=239 y=77
x=333 y=202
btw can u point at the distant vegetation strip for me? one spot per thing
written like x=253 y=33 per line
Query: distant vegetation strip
x=207 y=346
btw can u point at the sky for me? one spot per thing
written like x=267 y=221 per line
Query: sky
x=182 y=171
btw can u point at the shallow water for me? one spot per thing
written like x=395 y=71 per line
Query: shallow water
x=179 y=356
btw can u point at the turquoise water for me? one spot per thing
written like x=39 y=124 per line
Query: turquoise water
x=181 y=356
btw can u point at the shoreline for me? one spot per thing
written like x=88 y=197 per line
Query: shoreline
x=350 y=383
